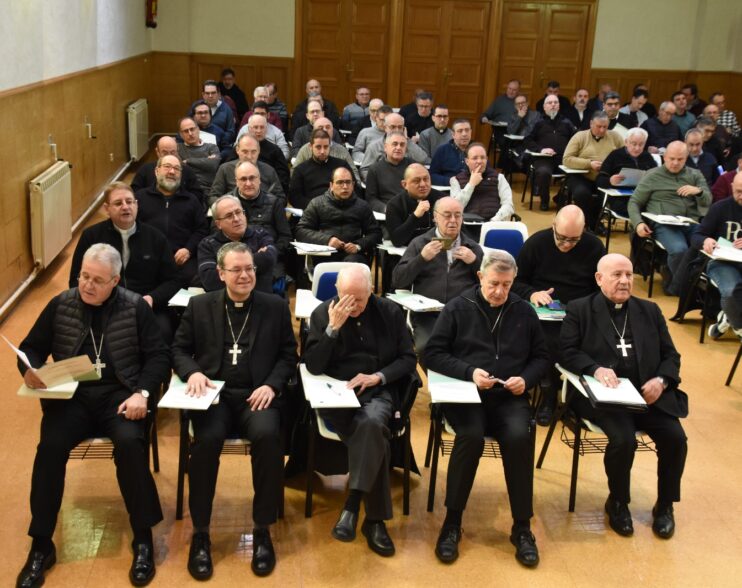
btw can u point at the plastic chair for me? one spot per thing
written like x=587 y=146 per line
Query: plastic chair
x=507 y=235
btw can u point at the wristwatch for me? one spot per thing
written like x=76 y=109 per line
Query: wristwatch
x=663 y=381
x=144 y=392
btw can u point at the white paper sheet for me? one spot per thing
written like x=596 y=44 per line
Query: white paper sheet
x=450 y=390
x=326 y=392
x=415 y=302
x=176 y=396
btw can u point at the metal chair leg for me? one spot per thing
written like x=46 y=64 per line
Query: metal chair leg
x=575 y=465
x=434 y=465
x=429 y=448
x=183 y=455
x=407 y=463
x=310 y=469
x=734 y=366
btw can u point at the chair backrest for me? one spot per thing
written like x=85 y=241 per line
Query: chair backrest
x=506 y=235
x=324 y=278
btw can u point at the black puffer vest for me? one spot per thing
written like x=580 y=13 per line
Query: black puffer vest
x=72 y=324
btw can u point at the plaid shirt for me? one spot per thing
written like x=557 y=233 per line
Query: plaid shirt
x=729 y=120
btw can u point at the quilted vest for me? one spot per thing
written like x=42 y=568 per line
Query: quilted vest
x=485 y=200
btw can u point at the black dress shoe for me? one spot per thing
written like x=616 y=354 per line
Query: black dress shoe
x=544 y=414
x=37 y=563
x=619 y=517
x=447 y=546
x=526 y=551
x=199 y=557
x=544 y=204
x=263 y=556
x=143 y=566
x=664 y=521
x=345 y=528
x=377 y=538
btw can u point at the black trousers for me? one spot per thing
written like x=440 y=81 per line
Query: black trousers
x=63 y=425
x=620 y=428
x=507 y=418
x=365 y=431
x=543 y=168
x=584 y=195
x=211 y=428
x=551 y=382
x=422 y=329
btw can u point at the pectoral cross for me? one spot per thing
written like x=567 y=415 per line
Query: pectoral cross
x=623 y=346
x=234 y=353
x=99 y=365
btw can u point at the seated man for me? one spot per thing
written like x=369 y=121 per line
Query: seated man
x=410 y=213
x=340 y=219
x=301 y=136
x=202 y=158
x=634 y=107
x=393 y=123
x=580 y=113
x=228 y=88
x=176 y=214
x=632 y=156
x=682 y=117
x=269 y=153
x=145 y=176
x=449 y=159
x=272 y=133
x=385 y=176
x=724 y=220
x=552 y=89
x=557 y=263
x=523 y=119
x=260 y=94
x=503 y=106
x=695 y=104
x=617 y=120
x=662 y=129
x=435 y=136
x=248 y=149
x=148 y=265
x=549 y=136
x=231 y=226
x=208 y=131
x=419 y=120
x=314 y=91
x=310 y=178
x=363 y=339
x=243 y=337
x=587 y=150
x=718 y=147
x=643 y=352
x=699 y=159
x=727 y=118
x=722 y=188
x=275 y=105
x=369 y=134
x=337 y=149
x=492 y=337
x=480 y=189
x=132 y=363
x=439 y=264
x=726 y=142
x=354 y=112
x=673 y=188
x=263 y=210
x=221 y=114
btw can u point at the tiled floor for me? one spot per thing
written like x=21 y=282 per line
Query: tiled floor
x=576 y=549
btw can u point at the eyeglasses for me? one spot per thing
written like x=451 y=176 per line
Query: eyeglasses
x=343 y=182
x=189 y=130
x=440 y=116
x=566 y=240
x=235 y=214
x=250 y=179
x=238 y=271
x=170 y=167
x=451 y=215
x=85 y=278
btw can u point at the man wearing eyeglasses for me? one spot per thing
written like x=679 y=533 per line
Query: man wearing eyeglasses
x=221 y=114
x=145 y=175
x=419 y=120
x=115 y=329
x=439 y=264
x=393 y=123
x=177 y=214
x=435 y=136
x=243 y=337
x=149 y=268
x=231 y=226
x=557 y=263
x=202 y=158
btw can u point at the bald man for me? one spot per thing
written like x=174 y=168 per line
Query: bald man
x=673 y=188
x=257 y=127
x=393 y=122
x=363 y=339
x=314 y=90
x=315 y=112
x=557 y=263
x=145 y=176
x=410 y=213
x=611 y=335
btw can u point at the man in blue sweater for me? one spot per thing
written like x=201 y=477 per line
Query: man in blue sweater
x=448 y=159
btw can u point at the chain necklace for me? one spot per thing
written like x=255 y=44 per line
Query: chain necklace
x=623 y=346
x=235 y=351
x=98 y=365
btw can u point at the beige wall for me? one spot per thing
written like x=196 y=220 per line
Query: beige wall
x=229 y=27
x=668 y=34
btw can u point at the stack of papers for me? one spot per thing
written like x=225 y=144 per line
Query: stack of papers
x=415 y=302
x=726 y=251
x=625 y=395
x=631 y=177
x=312 y=248
x=176 y=396
x=391 y=249
x=326 y=392
x=444 y=389
x=669 y=219
x=182 y=296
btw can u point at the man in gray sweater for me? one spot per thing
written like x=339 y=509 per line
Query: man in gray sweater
x=673 y=189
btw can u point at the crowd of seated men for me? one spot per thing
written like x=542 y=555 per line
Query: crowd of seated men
x=211 y=212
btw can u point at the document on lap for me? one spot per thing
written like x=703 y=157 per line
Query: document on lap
x=726 y=251
x=625 y=395
x=670 y=219
x=325 y=392
x=444 y=389
x=176 y=396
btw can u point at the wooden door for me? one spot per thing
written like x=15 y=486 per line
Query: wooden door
x=345 y=45
x=543 y=41
x=444 y=51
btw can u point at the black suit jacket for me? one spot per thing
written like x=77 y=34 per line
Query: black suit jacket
x=587 y=342
x=198 y=344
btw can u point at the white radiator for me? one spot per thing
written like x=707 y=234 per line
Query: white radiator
x=138 y=114
x=51 y=212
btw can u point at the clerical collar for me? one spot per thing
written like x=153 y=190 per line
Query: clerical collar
x=614 y=307
x=239 y=305
x=441 y=131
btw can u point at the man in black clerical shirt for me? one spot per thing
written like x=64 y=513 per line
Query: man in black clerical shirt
x=611 y=335
x=116 y=330
x=410 y=213
x=490 y=336
x=243 y=337
x=363 y=339
x=557 y=263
